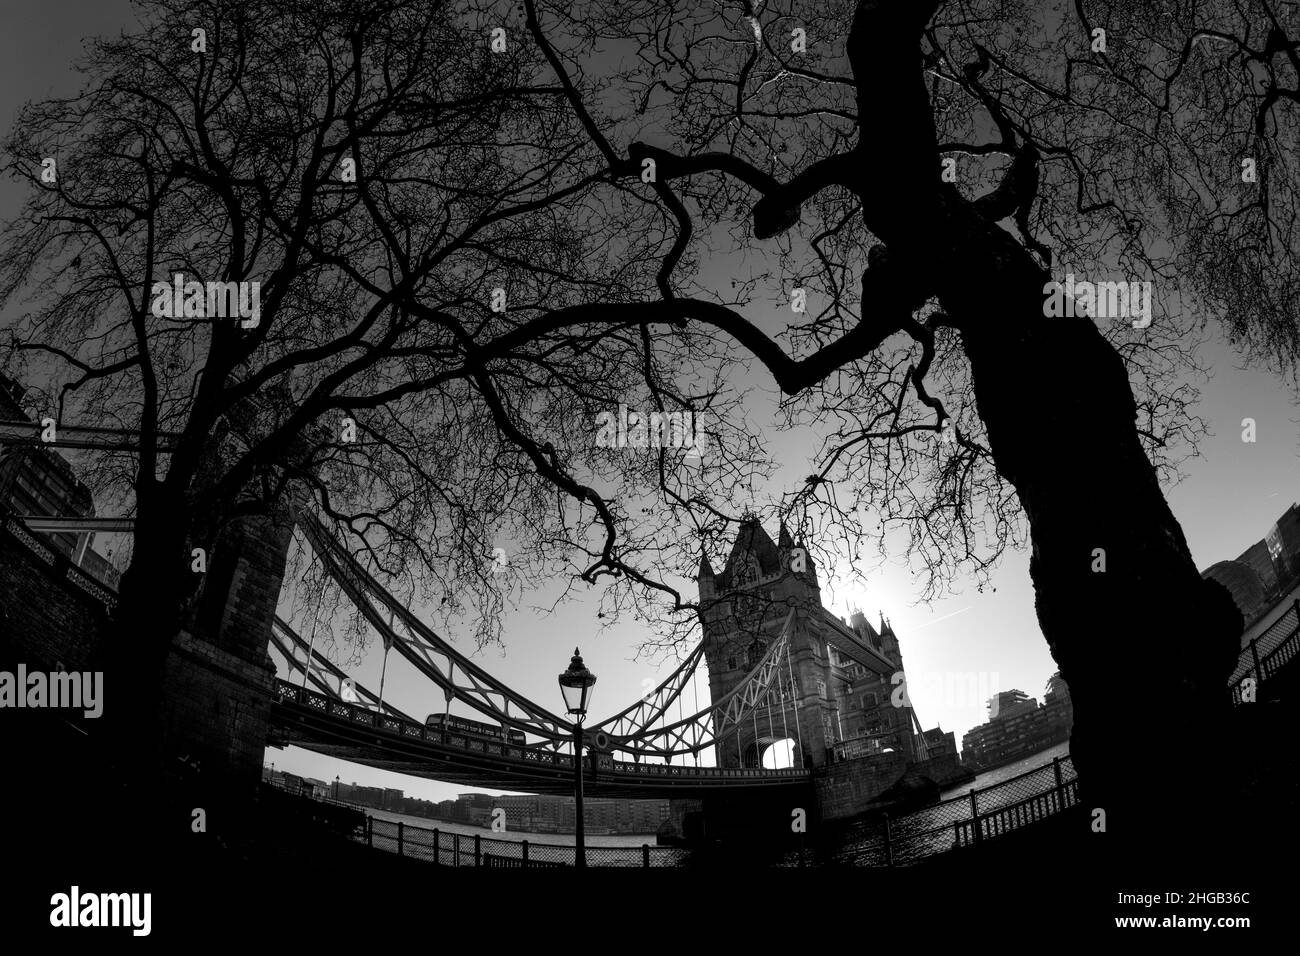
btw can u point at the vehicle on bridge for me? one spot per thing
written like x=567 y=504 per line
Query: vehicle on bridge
x=475 y=728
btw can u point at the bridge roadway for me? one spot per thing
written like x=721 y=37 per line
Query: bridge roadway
x=356 y=733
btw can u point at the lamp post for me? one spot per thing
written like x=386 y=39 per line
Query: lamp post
x=336 y=786
x=575 y=685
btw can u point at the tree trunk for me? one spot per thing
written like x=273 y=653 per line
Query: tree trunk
x=133 y=654
x=1145 y=645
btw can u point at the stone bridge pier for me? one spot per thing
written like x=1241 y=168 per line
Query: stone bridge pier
x=219 y=675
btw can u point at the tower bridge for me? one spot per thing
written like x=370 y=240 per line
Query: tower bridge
x=356 y=733
x=840 y=674
x=781 y=669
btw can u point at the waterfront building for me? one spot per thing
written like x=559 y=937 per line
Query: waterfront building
x=545 y=813
x=1247 y=590
x=1018 y=727
x=1258 y=559
x=1284 y=543
x=939 y=743
x=449 y=810
x=523 y=811
x=1275 y=561
x=477 y=808
x=1010 y=703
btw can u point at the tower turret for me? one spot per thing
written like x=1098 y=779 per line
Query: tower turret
x=705 y=578
x=809 y=572
x=889 y=642
x=862 y=627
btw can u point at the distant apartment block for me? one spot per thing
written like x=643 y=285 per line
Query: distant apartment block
x=1265 y=571
x=1018 y=727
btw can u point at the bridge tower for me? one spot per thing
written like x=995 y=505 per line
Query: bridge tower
x=220 y=676
x=839 y=678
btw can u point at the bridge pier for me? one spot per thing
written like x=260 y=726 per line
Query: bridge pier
x=219 y=676
x=752 y=826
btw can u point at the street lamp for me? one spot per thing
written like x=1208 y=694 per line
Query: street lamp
x=336 y=786
x=575 y=685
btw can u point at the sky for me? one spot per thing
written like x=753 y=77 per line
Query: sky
x=957 y=651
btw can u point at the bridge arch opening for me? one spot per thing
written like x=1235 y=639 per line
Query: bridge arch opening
x=780 y=754
x=770 y=753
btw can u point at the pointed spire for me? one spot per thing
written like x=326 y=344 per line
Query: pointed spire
x=808 y=561
x=706 y=569
x=753 y=554
x=783 y=539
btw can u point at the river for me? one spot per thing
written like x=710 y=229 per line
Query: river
x=915 y=834
x=466 y=829
x=991 y=777
x=932 y=829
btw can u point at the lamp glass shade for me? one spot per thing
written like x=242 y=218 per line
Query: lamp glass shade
x=576 y=684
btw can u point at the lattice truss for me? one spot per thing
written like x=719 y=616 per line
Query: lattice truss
x=322 y=672
x=458 y=677
x=643 y=730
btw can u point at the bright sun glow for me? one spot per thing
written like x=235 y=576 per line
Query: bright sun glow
x=779 y=756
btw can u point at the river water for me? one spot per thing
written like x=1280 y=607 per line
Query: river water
x=561 y=839
x=933 y=829
x=913 y=835
x=990 y=777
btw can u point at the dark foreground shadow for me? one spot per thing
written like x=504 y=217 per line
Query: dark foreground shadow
x=278 y=868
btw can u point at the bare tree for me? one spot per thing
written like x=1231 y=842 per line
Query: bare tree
x=1111 y=143
x=593 y=166
x=400 y=190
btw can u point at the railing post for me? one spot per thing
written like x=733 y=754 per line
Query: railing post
x=1254 y=652
x=437 y=851
x=645 y=855
x=399 y=839
x=1060 y=786
x=476 y=850
x=975 y=816
x=525 y=846
x=455 y=849
x=889 y=844
x=370 y=830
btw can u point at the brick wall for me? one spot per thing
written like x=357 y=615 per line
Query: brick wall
x=45 y=619
x=242 y=586
x=220 y=675
x=216 y=710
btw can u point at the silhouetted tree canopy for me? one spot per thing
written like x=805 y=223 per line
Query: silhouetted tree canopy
x=793 y=145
